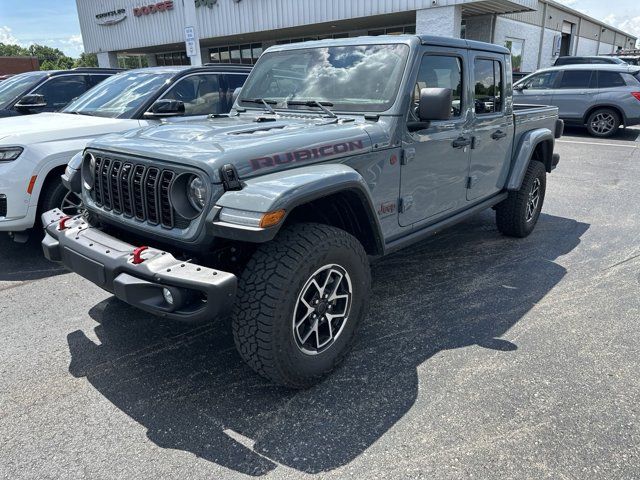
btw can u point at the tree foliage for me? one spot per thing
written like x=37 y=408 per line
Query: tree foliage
x=49 y=58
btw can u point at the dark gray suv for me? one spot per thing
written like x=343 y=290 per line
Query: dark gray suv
x=600 y=97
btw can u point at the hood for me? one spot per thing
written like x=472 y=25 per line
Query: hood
x=47 y=127
x=254 y=145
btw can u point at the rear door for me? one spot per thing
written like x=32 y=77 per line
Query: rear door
x=576 y=93
x=492 y=126
x=436 y=156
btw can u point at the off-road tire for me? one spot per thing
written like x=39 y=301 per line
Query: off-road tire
x=268 y=291
x=611 y=128
x=511 y=213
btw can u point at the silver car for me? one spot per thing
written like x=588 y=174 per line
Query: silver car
x=600 y=97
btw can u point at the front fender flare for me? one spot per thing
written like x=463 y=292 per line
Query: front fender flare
x=524 y=152
x=287 y=190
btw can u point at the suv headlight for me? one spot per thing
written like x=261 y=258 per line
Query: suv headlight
x=9 y=154
x=197 y=193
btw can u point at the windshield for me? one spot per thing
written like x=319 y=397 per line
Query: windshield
x=119 y=96
x=362 y=78
x=17 y=86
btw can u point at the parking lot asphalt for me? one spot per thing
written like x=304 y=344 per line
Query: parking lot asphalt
x=483 y=357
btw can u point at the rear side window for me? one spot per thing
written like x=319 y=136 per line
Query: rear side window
x=440 y=71
x=488 y=86
x=576 y=79
x=610 y=80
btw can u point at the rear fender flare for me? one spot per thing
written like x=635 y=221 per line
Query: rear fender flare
x=524 y=153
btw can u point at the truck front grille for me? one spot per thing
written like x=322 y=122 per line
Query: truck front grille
x=3 y=205
x=136 y=190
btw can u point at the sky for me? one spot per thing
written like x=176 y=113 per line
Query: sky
x=55 y=23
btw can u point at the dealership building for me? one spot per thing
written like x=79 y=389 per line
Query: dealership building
x=183 y=32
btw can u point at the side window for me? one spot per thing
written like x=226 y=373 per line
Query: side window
x=439 y=71
x=489 y=86
x=59 y=91
x=610 y=80
x=576 y=79
x=541 y=81
x=230 y=83
x=201 y=94
x=96 y=79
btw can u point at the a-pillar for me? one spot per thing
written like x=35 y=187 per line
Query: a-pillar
x=440 y=21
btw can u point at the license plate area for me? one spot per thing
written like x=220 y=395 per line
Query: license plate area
x=86 y=267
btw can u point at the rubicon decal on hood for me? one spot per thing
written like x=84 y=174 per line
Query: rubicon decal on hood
x=307 y=154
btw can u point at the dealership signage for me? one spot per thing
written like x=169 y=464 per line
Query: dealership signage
x=153 y=8
x=112 y=17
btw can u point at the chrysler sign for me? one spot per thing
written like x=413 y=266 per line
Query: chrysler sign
x=112 y=17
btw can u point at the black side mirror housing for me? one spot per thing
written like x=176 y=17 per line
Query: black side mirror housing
x=165 y=108
x=31 y=101
x=435 y=104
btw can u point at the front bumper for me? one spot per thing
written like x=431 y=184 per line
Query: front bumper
x=199 y=293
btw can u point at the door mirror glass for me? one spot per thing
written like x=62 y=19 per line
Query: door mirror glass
x=435 y=104
x=32 y=101
x=165 y=108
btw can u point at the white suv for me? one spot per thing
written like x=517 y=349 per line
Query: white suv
x=35 y=149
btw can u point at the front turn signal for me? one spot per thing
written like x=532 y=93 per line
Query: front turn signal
x=272 y=218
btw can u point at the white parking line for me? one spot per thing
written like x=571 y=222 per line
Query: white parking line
x=598 y=143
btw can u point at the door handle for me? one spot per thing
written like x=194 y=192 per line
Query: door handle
x=498 y=135
x=461 y=142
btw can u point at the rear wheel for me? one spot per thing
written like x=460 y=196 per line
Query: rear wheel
x=299 y=302
x=603 y=123
x=518 y=214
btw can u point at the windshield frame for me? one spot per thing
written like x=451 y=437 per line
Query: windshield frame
x=40 y=78
x=393 y=106
x=170 y=77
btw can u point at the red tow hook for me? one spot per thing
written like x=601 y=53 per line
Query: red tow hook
x=62 y=225
x=137 y=255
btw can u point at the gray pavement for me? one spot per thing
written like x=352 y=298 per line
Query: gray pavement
x=483 y=357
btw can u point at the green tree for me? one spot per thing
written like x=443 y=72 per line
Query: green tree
x=87 y=60
x=7 y=50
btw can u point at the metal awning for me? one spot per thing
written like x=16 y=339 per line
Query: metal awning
x=484 y=7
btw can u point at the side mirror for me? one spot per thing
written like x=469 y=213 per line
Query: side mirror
x=31 y=102
x=435 y=104
x=518 y=87
x=165 y=108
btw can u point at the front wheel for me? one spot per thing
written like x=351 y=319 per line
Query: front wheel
x=518 y=214
x=300 y=299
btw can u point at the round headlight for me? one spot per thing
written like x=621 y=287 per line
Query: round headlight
x=197 y=193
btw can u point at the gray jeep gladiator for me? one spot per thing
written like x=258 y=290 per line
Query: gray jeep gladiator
x=336 y=152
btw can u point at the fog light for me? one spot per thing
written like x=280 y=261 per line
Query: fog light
x=168 y=296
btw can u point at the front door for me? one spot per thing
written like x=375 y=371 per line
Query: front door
x=436 y=156
x=492 y=126
x=537 y=89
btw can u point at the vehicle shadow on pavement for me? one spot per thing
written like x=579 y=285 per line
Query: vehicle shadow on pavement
x=625 y=134
x=22 y=262
x=188 y=387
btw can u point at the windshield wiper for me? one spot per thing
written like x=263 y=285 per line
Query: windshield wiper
x=264 y=101
x=314 y=103
x=75 y=112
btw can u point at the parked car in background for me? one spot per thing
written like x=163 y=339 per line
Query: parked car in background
x=599 y=97
x=47 y=91
x=560 y=61
x=34 y=150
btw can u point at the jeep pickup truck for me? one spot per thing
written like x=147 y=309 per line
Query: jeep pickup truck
x=335 y=153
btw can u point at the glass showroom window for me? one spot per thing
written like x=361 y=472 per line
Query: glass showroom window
x=516 y=47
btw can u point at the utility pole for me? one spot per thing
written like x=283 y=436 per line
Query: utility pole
x=190 y=20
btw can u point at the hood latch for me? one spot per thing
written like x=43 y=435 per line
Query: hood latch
x=230 y=179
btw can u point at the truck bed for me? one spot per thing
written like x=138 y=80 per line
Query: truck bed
x=531 y=117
